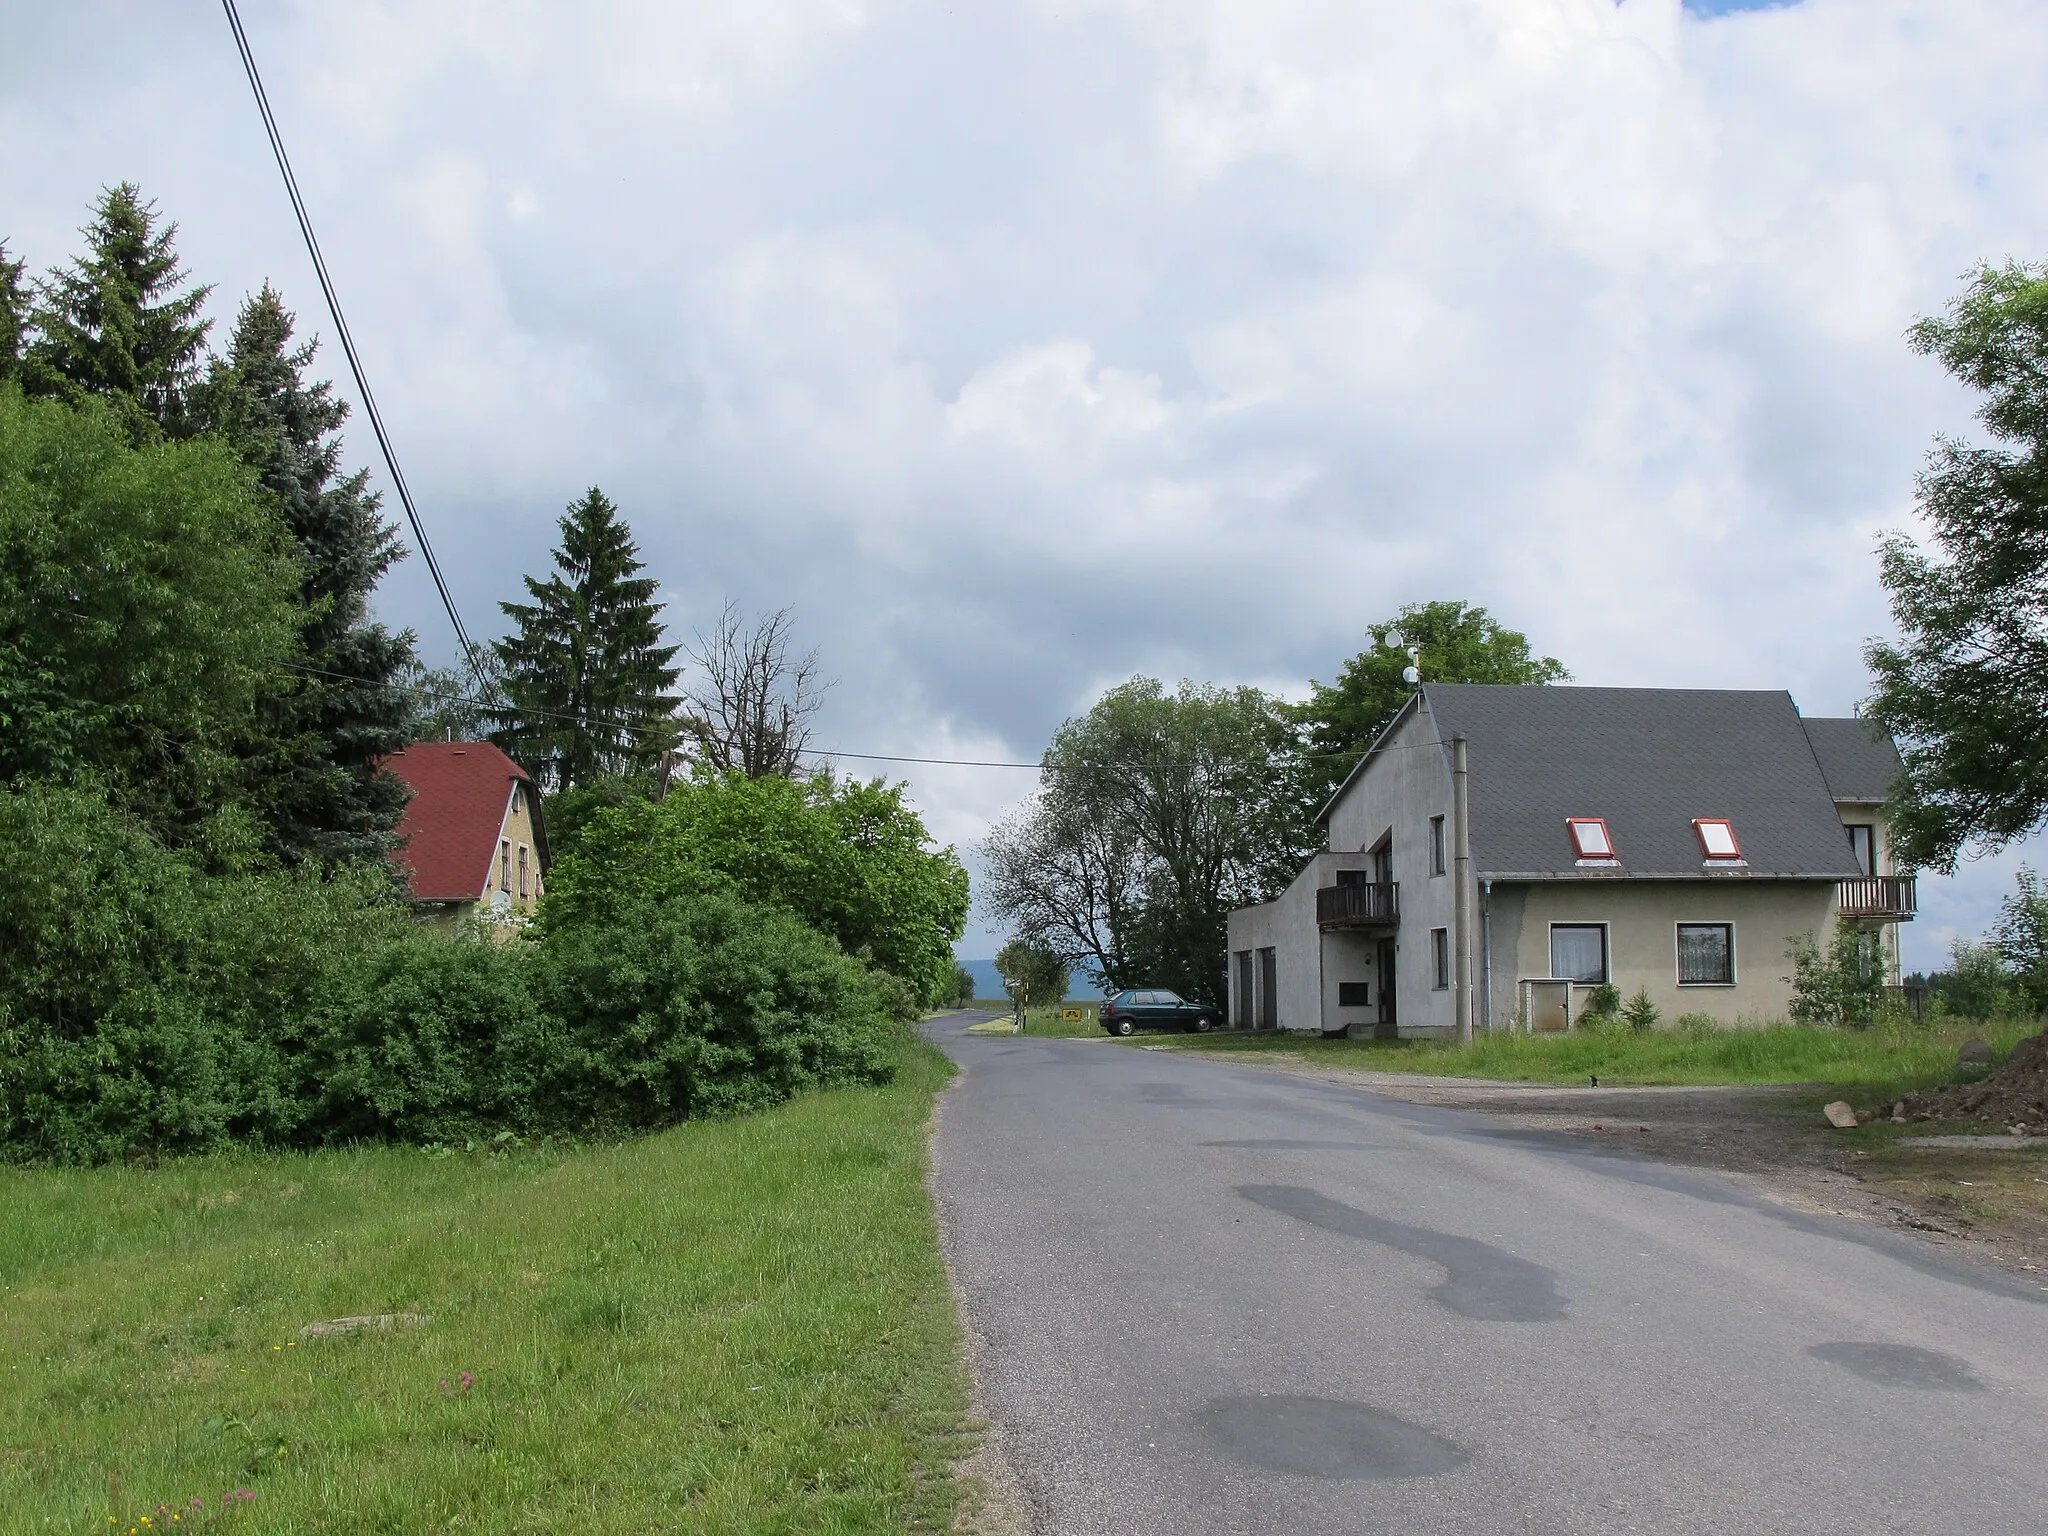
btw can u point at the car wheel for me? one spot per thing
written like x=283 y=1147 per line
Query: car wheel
x=1126 y=1027
x=1204 y=1024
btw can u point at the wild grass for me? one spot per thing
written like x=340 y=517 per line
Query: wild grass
x=1046 y=1022
x=1893 y=1059
x=740 y=1326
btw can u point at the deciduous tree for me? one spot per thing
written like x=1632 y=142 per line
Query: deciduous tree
x=1964 y=688
x=753 y=697
x=1458 y=644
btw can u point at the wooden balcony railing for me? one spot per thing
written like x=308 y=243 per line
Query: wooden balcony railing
x=1358 y=906
x=1882 y=896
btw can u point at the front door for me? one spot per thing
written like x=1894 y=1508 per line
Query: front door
x=1383 y=961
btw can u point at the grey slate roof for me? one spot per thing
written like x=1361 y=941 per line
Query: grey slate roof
x=1856 y=757
x=1649 y=760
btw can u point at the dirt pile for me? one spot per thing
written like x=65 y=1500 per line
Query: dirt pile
x=2016 y=1094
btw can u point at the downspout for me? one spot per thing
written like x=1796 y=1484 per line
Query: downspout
x=1486 y=949
x=1461 y=895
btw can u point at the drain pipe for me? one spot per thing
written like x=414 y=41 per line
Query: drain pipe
x=1486 y=949
x=1461 y=894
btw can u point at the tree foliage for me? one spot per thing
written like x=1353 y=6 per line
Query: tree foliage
x=1157 y=814
x=14 y=306
x=849 y=858
x=586 y=675
x=147 y=609
x=2021 y=940
x=1965 y=687
x=315 y=769
x=1032 y=974
x=122 y=324
x=1458 y=644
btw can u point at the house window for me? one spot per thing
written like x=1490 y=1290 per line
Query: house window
x=1589 y=837
x=1717 y=838
x=1706 y=954
x=1440 y=955
x=1863 y=846
x=1436 y=845
x=1354 y=994
x=1578 y=952
x=504 y=866
x=522 y=871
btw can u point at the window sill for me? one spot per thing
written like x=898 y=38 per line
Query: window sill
x=1694 y=986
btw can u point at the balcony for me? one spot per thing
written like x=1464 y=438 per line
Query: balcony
x=1358 y=906
x=1889 y=898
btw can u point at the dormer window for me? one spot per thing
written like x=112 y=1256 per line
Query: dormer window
x=1717 y=840
x=1590 y=841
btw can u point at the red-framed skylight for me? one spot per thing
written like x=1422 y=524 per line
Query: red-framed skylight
x=1590 y=839
x=1717 y=838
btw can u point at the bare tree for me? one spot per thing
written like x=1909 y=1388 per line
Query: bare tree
x=751 y=698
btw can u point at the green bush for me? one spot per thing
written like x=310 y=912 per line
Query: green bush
x=705 y=1006
x=1639 y=1011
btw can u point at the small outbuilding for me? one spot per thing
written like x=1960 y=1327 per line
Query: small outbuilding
x=473 y=842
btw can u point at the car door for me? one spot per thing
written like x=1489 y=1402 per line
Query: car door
x=1148 y=1010
x=1173 y=1010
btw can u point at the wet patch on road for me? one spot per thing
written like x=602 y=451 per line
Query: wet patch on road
x=1322 y=1437
x=1163 y=1093
x=1901 y=1365
x=1283 y=1144
x=1482 y=1282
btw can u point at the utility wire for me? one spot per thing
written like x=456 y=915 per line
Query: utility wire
x=628 y=727
x=348 y=346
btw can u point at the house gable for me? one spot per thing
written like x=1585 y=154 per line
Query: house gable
x=469 y=800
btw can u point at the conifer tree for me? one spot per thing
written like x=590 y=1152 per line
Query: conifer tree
x=586 y=675
x=314 y=780
x=13 y=315
x=120 y=322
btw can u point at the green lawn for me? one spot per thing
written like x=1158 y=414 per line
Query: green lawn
x=1876 y=1061
x=741 y=1326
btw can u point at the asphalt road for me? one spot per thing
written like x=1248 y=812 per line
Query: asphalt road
x=1213 y=1298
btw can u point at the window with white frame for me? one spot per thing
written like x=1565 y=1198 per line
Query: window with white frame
x=1706 y=954
x=1863 y=847
x=1440 y=956
x=1437 y=862
x=1578 y=952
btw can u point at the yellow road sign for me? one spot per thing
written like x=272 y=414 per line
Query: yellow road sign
x=1073 y=1015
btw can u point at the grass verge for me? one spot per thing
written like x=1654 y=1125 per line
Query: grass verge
x=739 y=1326
x=1878 y=1063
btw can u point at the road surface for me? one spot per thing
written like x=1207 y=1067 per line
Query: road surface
x=1210 y=1297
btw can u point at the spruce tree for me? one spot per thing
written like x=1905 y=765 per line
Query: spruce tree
x=13 y=315
x=121 y=323
x=586 y=675
x=314 y=780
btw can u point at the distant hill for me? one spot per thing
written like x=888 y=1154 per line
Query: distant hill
x=988 y=982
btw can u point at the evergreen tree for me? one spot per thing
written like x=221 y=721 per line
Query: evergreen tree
x=314 y=777
x=120 y=322
x=13 y=315
x=586 y=676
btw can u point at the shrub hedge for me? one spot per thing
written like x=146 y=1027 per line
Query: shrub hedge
x=153 y=1004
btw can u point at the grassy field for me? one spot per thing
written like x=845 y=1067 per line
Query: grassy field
x=1047 y=1021
x=1875 y=1061
x=738 y=1327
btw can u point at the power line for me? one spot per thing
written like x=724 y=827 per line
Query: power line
x=629 y=727
x=348 y=346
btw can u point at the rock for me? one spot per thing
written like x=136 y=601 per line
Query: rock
x=383 y=1322
x=1840 y=1115
x=1974 y=1053
x=1899 y=1112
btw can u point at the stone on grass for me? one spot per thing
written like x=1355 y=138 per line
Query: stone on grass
x=382 y=1322
x=1974 y=1053
x=1840 y=1115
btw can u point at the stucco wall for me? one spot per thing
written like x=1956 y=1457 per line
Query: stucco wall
x=1642 y=918
x=518 y=831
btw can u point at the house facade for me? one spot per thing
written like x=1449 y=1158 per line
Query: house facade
x=474 y=843
x=1500 y=851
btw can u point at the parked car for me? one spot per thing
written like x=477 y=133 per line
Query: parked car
x=1154 y=1008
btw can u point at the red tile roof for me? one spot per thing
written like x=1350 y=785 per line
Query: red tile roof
x=460 y=793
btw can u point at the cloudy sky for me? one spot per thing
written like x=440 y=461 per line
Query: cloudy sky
x=1021 y=347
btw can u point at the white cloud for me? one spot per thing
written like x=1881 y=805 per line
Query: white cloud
x=1025 y=347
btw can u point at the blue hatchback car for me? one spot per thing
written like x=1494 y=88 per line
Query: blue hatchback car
x=1155 y=1008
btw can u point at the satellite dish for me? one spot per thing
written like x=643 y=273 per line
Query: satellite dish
x=1411 y=675
x=1395 y=639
